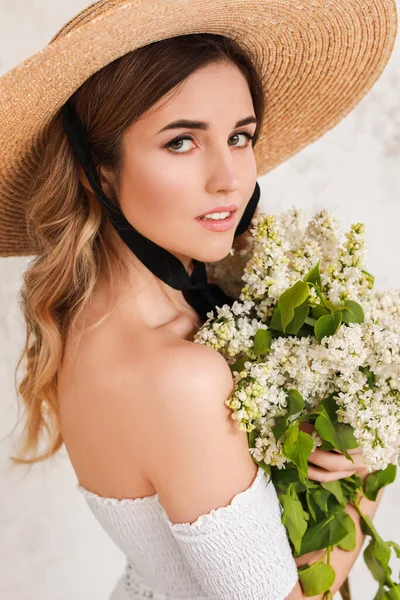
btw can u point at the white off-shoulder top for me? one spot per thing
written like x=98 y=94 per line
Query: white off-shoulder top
x=236 y=552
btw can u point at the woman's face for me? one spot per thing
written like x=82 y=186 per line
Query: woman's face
x=167 y=182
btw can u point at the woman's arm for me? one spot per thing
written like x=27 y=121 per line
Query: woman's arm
x=342 y=560
x=330 y=466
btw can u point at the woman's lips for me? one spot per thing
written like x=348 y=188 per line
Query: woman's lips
x=218 y=209
x=218 y=224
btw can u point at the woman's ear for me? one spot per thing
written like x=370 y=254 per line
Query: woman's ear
x=105 y=181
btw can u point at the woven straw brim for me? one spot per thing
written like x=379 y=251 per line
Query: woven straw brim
x=317 y=60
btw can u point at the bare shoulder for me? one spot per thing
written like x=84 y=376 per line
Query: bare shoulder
x=198 y=459
x=187 y=366
x=148 y=415
x=103 y=407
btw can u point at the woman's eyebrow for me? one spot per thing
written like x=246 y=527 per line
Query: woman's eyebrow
x=184 y=123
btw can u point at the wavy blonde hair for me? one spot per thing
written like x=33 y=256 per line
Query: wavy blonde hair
x=73 y=230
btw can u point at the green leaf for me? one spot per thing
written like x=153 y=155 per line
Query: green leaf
x=352 y=487
x=346 y=435
x=353 y=313
x=376 y=481
x=373 y=564
x=393 y=594
x=320 y=497
x=334 y=307
x=383 y=552
x=380 y=594
x=335 y=488
x=349 y=542
x=319 y=311
x=395 y=547
x=328 y=532
x=327 y=430
x=329 y=403
x=251 y=438
x=276 y=321
x=297 y=447
x=296 y=402
x=290 y=299
x=295 y=325
x=317 y=578
x=314 y=276
x=239 y=364
x=279 y=428
x=377 y=560
x=344 y=431
x=283 y=477
x=262 y=342
x=265 y=467
x=311 y=505
x=294 y=518
x=326 y=446
x=368 y=527
x=327 y=325
x=299 y=318
x=355 y=481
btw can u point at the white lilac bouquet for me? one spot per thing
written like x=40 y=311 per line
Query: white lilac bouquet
x=311 y=341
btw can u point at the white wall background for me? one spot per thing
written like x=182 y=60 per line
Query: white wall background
x=51 y=547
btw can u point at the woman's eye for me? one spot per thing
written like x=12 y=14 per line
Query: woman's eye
x=246 y=135
x=184 y=138
x=178 y=140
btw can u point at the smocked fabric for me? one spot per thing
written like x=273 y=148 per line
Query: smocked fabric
x=235 y=552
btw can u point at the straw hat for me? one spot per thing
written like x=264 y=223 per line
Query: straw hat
x=317 y=59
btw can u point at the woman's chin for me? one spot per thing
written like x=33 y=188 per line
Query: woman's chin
x=210 y=255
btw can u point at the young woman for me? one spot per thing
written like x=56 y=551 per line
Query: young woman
x=108 y=180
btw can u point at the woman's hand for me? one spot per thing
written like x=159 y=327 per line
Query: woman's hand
x=333 y=465
x=330 y=466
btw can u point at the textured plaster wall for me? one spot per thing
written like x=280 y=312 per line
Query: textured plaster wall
x=51 y=547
